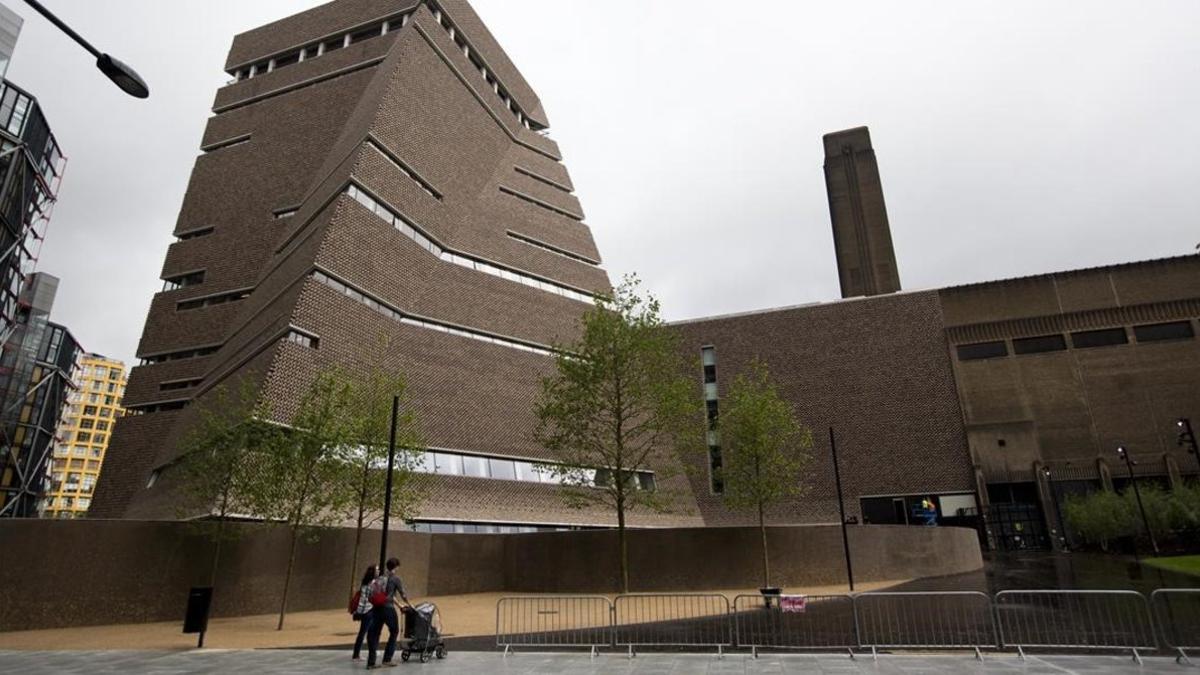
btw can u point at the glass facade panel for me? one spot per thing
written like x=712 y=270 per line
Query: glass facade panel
x=525 y=472
x=1035 y=345
x=503 y=468
x=475 y=466
x=982 y=350
x=451 y=465
x=1177 y=330
x=1105 y=337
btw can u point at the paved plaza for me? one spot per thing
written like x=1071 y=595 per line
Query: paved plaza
x=325 y=661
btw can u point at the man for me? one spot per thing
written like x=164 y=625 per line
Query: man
x=385 y=614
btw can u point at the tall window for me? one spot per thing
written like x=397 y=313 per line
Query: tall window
x=708 y=359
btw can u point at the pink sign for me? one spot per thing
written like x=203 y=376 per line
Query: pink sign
x=793 y=603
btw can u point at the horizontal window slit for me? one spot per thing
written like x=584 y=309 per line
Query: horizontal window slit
x=542 y=179
x=539 y=203
x=396 y=315
x=551 y=248
x=417 y=234
x=194 y=234
x=227 y=143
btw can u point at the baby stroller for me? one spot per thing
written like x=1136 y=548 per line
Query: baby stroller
x=423 y=632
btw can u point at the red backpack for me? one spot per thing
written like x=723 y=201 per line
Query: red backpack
x=378 y=592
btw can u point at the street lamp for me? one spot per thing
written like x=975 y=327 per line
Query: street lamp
x=130 y=82
x=1187 y=437
x=837 y=479
x=1129 y=462
x=387 y=494
x=1057 y=511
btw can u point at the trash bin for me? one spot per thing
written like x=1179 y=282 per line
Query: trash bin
x=195 y=620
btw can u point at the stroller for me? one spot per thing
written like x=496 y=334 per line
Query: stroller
x=423 y=632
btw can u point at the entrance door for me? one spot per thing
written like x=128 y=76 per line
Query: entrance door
x=1018 y=527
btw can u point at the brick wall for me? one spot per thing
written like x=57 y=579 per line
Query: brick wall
x=875 y=369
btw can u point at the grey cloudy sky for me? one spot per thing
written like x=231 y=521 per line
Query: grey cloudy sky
x=1013 y=137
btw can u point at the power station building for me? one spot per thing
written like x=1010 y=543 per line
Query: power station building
x=376 y=189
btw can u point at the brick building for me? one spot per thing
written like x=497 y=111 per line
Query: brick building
x=93 y=407
x=377 y=189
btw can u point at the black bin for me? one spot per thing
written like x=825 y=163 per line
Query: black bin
x=198 y=604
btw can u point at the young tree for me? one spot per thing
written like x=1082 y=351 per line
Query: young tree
x=618 y=403
x=1100 y=517
x=371 y=403
x=765 y=449
x=307 y=465
x=219 y=472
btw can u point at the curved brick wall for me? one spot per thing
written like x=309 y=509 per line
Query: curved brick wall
x=137 y=571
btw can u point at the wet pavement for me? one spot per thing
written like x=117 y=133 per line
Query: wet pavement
x=313 y=661
x=1083 y=571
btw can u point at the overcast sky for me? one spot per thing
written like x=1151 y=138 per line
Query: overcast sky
x=1013 y=138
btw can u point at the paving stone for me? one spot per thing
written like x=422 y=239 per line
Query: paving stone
x=270 y=662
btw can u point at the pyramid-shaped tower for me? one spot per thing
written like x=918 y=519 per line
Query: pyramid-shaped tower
x=375 y=190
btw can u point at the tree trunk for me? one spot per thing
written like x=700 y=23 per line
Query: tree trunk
x=354 y=558
x=212 y=574
x=762 y=528
x=287 y=578
x=623 y=547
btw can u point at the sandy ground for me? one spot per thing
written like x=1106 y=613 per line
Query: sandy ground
x=462 y=615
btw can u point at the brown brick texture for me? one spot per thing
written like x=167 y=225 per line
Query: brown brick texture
x=410 y=97
x=876 y=370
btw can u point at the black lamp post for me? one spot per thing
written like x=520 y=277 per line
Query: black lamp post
x=124 y=76
x=1129 y=462
x=837 y=478
x=1062 y=535
x=387 y=494
x=1187 y=437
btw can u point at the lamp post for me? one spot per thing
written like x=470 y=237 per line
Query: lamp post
x=1129 y=462
x=122 y=75
x=1057 y=511
x=387 y=493
x=1187 y=437
x=837 y=479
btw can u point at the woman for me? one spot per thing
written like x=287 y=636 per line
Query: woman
x=362 y=613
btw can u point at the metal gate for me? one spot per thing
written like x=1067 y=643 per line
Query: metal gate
x=1017 y=526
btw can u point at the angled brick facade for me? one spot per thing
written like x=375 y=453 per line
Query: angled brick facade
x=389 y=197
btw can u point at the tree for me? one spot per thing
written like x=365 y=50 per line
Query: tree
x=220 y=472
x=1100 y=517
x=618 y=403
x=371 y=404
x=765 y=449
x=307 y=465
x=1158 y=509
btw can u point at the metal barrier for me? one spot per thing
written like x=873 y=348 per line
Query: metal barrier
x=554 y=621
x=815 y=622
x=934 y=620
x=1055 y=619
x=672 y=619
x=1177 y=613
x=1075 y=620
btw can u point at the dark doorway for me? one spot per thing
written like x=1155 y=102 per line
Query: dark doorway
x=1015 y=517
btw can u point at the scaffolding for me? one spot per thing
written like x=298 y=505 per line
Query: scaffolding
x=37 y=356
